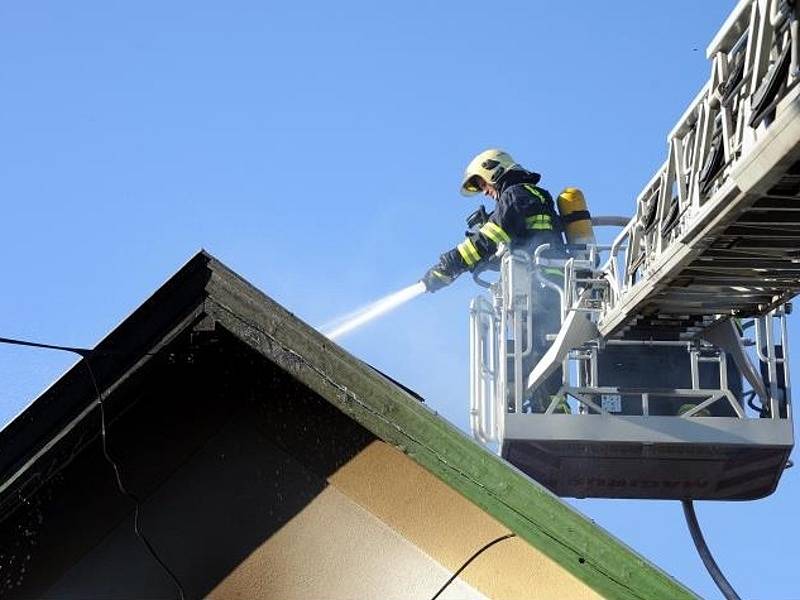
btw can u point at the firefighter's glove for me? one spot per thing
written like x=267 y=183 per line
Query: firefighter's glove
x=435 y=280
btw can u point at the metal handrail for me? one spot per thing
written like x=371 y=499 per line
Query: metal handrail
x=496 y=329
x=764 y=339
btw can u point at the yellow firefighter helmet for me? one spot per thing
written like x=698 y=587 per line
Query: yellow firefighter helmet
x=489 y=165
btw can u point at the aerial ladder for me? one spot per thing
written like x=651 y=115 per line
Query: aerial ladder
x=673 y=340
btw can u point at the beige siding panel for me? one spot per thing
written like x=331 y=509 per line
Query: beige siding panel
x=336 y=550
x=450 y=528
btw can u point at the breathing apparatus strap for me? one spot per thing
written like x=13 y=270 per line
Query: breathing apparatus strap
x=578 y=215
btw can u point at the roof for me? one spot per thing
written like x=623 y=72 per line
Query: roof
x=204 y=290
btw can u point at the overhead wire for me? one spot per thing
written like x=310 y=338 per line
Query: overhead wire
x=84 y=353
x=475 y=555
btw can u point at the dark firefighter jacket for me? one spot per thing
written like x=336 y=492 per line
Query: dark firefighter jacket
x=524 y=213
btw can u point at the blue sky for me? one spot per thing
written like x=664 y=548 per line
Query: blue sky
x=316 y=148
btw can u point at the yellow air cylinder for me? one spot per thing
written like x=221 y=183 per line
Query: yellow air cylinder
x=575 y=216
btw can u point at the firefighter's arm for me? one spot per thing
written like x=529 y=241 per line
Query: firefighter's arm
x=476 y=247
x=482 y=243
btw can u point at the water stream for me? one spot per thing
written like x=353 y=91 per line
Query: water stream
x=347 y=323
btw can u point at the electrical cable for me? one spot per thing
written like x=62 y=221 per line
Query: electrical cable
x=705 y=554
x=84 y=353
x=469 y=560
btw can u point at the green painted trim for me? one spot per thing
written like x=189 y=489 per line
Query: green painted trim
x=525 y=507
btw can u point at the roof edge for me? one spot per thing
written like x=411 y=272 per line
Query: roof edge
x=55 y=407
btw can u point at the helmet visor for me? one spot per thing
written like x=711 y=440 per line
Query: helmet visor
x=474 y=184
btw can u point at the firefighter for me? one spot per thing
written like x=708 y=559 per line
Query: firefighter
x=524 y=216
